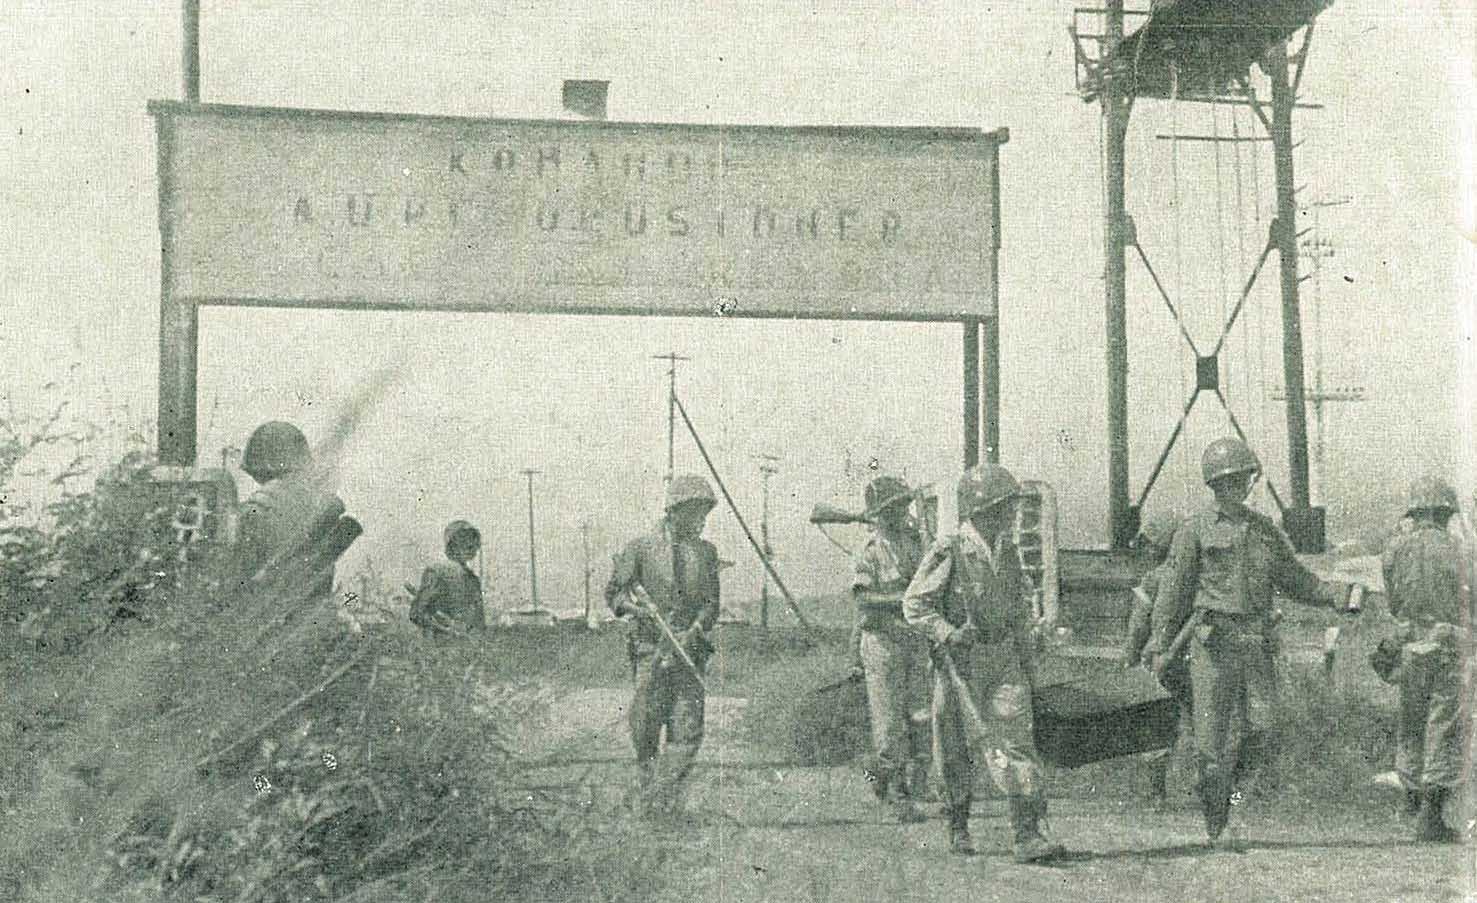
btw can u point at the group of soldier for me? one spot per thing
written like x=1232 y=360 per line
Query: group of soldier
x=947 y=618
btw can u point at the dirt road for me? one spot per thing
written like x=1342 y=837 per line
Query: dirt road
x=774 y=833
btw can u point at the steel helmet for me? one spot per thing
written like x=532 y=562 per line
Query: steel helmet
x=884 y=492
x=1158 y=530
x=457 y=528
x=274 y=450
x=984 y=486
x=690 y=488
x=1225 y=457
x=1430 y=493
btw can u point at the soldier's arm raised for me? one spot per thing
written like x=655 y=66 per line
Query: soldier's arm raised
x=922 y=599
x=624 y=571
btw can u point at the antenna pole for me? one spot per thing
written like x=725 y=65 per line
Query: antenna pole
x=532 y=548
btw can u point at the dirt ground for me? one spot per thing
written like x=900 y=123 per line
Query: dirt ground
x=770 y=832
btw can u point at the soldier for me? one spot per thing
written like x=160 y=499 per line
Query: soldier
x=894 y=659
x=1424 y=574
x=667 y=581
x=968 y=598
x=284 y=520
x=1224 y=563
x=449 y=599
x=1153 y=542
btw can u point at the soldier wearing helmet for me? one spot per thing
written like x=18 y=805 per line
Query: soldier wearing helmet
x=894 y=659
x=1224 y=563
x=449 y=599
x=284 y=520
x=670 y=573
x=1424 y=572
x=1153 y=543
x=969 y=598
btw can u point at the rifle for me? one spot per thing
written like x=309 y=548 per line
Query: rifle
x=642 y=603
x=1180 y=639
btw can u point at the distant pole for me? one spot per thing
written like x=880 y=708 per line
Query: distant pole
x=671 y=357
x=191 y=51
x=585 y=535
x=767 y=469
x=532 y=548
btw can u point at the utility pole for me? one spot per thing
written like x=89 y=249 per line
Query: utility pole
x=671 y=357
x=532 y=549
x=190 y=51
x=1116 y=105
x=767 y=468
x=585 y=536
x=1285 y=234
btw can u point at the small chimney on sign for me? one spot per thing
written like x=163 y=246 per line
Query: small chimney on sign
x=585 y=98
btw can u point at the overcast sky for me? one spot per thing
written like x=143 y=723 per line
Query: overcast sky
x=482 y=396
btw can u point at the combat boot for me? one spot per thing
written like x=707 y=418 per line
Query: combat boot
x=959 y=840
x=1432 y=828
x=1412 y=806
x=1215 y=801
x=1158 y=783
x=1027 y=844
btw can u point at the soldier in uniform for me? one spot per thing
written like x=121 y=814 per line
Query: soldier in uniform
x=1153 y=542
x=894 y=658
x=669 y=574
x=449 y=599
x=1224 y=563
x=282 y=522
x=1424 y=573
x=968 y=598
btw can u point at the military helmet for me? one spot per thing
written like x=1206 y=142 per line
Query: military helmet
x=1430 y=493
x=690 y=488
x=984 y=486
x=883 y=492
x=1225 y=457
x=1158 y=530
x=274 y=450
x=457 y=528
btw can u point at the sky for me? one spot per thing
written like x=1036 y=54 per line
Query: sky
x=1386 y=164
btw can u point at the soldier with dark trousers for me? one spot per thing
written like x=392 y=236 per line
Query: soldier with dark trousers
x=1153 y=542
x=667 y=583
x=968 y=598
x=283 y=520
x=1425 y=575
x=449 y=598
x=1224 y=563
x=894 y=659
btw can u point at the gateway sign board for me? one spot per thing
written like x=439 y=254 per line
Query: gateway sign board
x=354 y=210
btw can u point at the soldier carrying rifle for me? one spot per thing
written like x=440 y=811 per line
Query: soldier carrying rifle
x=667 y=582
x=967 y=597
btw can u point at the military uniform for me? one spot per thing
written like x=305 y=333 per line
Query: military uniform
x=1224 y=564
x=278 y=528
x=895 y=661
x=1423 y=572
x=681 y=580
x=451 y=589
x=965 y=580
x=1175 y=678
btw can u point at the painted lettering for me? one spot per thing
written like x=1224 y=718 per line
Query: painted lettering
x=808 y=226
x=590 y=219
x=456 y=162
x=302 y=211
x=504 y=160
x=634 y=163
x=548 y=218
x=764 y=222
x=677 y=221
x=361 y=209
x=892 y=224
x=548 y=156
x=414 y=210
x=844 y=217
x=592 y=159
x=635 y=225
